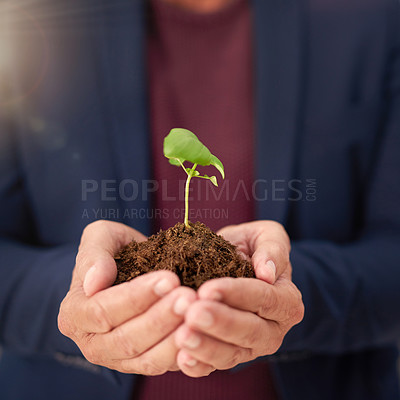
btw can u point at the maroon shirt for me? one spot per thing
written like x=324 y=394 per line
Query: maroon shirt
x=200 y=75
x=201 y=79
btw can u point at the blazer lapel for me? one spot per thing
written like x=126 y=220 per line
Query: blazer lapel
x=279 y=68
x=122 y=57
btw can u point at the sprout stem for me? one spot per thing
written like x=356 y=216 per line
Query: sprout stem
x=190 y=175
x=183 y=167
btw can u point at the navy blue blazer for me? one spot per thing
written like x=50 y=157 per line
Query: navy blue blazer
x=73 y=110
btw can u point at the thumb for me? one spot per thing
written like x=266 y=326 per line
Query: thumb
x=100 y=276
x=95 y=267
x=264 y=266
x=268 y=245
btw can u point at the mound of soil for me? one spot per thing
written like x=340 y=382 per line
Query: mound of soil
x=195 y=253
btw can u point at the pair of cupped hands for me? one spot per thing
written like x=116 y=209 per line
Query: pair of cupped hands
x=152 y=324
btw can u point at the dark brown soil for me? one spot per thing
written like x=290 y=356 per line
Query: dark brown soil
x=196 y=254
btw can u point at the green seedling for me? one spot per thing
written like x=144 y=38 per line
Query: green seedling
x=181 y=145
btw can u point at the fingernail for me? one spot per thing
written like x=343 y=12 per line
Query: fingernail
x=204 y=319
x=191 y=363
x=89 y=279
x=181 y=305
x=192 y=342
x=216 y=296
x=272 y=267
x=163 y=287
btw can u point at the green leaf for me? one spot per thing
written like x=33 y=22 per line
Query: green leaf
x=182 y=144
x=218 y=164
x=174 y=161
x=213 y=179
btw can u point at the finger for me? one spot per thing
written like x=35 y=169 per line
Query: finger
x=95 y=266
x=100 y=276
x=270 y=259
x=211 y=351
x=156 y=361
x=111 y=307
x=139 y=334
x=191 y=367
x=266 y=242
x=241 y=328
x=244 y=235
x=280 y=302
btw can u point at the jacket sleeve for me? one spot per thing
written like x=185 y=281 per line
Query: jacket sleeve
x=33 y=279
x=33 y=282
x=352 y=292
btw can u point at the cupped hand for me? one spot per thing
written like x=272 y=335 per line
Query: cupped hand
x=265 y=243
x=237 y=320
x=129 y=327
